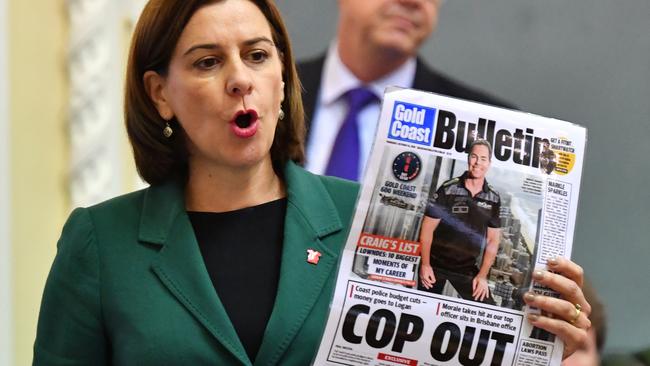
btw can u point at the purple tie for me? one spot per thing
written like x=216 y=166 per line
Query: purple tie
x=344 y=159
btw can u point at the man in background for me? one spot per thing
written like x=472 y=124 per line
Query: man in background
x=376 y=46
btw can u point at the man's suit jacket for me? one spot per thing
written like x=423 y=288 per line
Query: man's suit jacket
x=427 y=79
x=129 y=286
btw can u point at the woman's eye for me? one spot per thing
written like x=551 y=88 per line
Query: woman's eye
x=206 y=63
x=258 y=56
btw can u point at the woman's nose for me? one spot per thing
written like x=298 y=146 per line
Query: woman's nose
x=239 y=81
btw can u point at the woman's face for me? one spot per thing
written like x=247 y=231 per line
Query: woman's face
x=224 y=85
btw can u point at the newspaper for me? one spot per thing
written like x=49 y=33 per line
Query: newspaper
x=414 y=201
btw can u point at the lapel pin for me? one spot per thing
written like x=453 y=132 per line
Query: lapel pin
x=313 y=256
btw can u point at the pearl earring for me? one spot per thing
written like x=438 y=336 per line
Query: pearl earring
x=281 y=114
x=167 y=131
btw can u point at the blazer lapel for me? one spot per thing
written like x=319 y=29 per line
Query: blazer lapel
x=311 y=215
x=180 y=266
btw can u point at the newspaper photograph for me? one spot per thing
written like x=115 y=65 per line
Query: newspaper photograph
x=459 y=204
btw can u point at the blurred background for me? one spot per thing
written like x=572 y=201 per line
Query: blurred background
x=63 y=144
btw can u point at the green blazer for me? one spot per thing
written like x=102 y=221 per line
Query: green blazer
x=128 y=285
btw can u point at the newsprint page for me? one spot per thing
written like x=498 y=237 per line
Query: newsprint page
x=435 y=266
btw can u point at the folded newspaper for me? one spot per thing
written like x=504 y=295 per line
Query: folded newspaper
x=460 y=203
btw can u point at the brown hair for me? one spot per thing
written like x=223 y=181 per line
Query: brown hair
x=158 y=158
x=598 y=317
x=481 y=142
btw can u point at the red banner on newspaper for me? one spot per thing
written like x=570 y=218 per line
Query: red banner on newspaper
x=396 y=359
x=389 y=244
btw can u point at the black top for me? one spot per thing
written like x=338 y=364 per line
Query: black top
x=464 y=219
x=242 y=251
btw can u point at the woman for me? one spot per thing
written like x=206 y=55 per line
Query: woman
x=214 y=115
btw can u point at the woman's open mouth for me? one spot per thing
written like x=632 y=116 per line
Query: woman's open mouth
x=245 y=123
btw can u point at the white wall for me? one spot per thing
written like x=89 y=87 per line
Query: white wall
x=6 y=349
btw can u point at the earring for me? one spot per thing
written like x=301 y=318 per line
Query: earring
x=281 y=114
x=167 y=131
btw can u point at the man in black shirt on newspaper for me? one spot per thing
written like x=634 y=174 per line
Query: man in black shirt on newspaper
x=461 y=221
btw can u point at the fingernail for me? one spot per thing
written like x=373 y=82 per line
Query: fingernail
x=538 y=275
x=533 y=317
x=552 y=261
x=529 y=296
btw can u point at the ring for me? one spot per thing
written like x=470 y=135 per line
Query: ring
x=578 y=312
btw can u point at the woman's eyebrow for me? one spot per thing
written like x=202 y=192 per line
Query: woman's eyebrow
x=255 y=40
x=203 y=46
x=215 y=46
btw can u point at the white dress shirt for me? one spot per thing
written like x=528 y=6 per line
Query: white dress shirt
x=331 y=109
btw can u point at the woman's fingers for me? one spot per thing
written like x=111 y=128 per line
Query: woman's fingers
x=561 y=309
x=567 y=268
x=567 y=316
x=568 y=289
x=574 y=338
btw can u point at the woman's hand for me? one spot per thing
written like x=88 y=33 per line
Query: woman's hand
x=568 y=316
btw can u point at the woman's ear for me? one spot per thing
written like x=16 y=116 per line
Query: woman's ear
x=154 y=84
x=282 y=93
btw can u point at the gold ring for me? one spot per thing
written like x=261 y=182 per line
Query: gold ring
x=578 y=312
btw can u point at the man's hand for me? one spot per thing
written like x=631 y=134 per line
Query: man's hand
x=426 y=276
x=480 y=288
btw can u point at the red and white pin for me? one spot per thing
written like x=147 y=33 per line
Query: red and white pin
x=313 y=256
